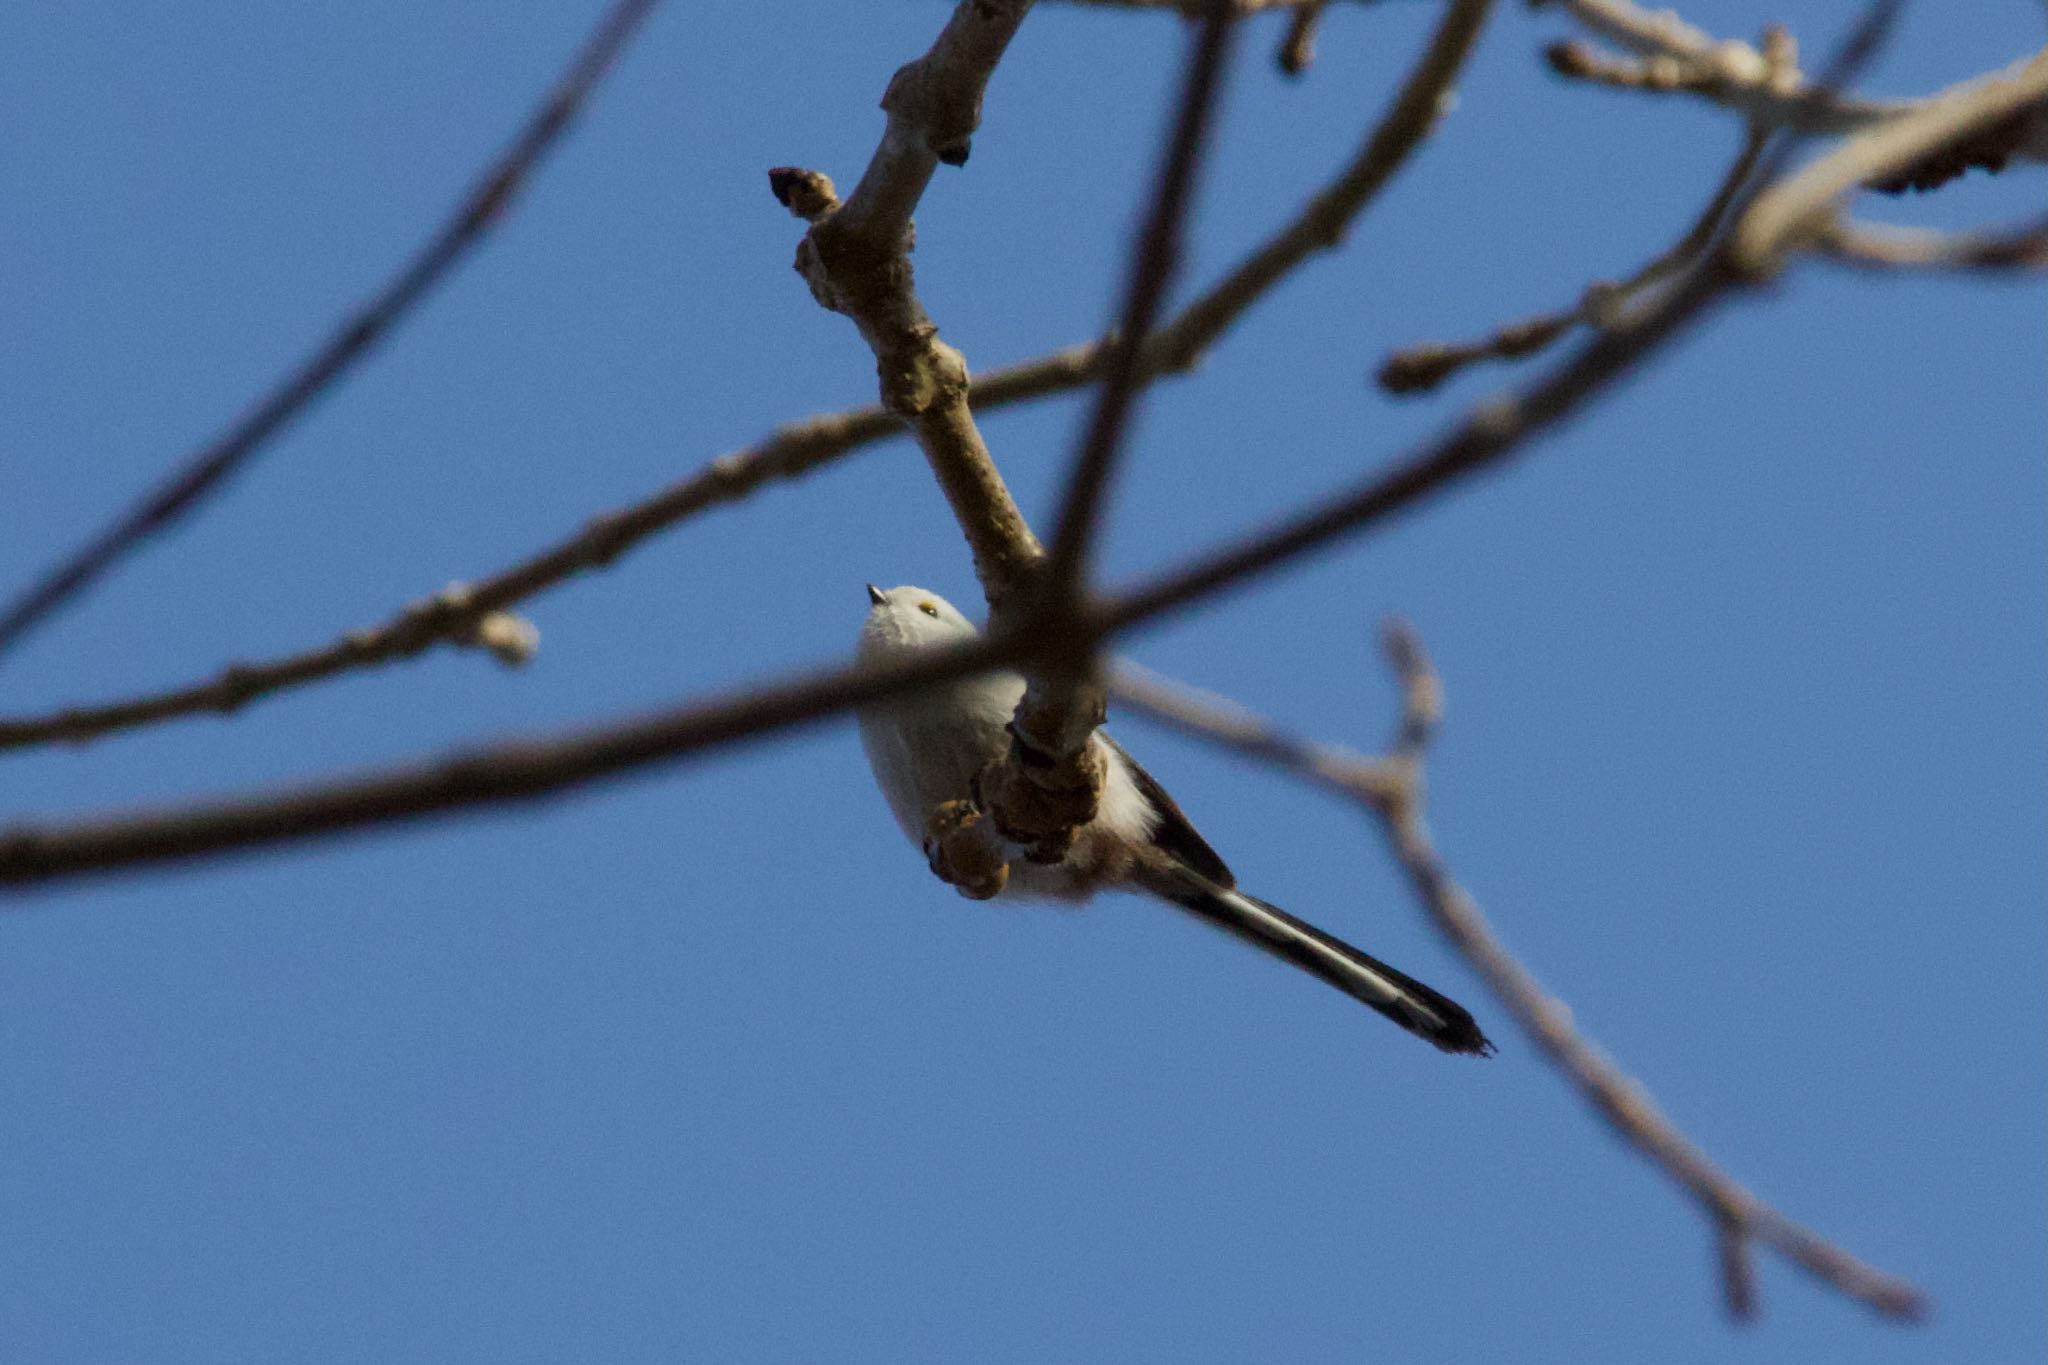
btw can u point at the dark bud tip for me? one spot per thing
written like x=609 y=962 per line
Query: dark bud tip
x=806 y=194
x=1416 y=371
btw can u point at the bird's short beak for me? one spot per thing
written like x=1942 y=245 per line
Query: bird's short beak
x=876 y=596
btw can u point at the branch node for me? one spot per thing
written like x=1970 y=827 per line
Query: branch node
x=945 y=113
x=922 y=374
x=452 y=600
x=238 y=686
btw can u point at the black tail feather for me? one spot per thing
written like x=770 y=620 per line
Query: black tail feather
x=1421 y=1010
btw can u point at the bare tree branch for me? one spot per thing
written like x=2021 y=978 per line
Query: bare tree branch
x=453 y=614
x=358 y=334
x=1049 y=784
x=1155 y=258
x=1196 y=9
x=1323 y=221
x=1500 y=428
x=798 y=448
x=856 y=259
x=1392 y=789
x=524 y=769
x=1490 y=434
x=1672 y=55
x=1678 y=57
x=1422 y=367
x=1297 y=50
x=503 y=773
x=1790 y=213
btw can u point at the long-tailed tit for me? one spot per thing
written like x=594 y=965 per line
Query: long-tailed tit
x=927 y=749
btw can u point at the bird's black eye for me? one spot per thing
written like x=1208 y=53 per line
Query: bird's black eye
x=929 y=610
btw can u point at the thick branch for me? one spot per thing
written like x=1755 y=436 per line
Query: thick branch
x=359 y=334
x=857 y=262
x=1790 y=213
x=856 y=259
x=1392 y=789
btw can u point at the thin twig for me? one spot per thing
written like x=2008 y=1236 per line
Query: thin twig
x=356 y=337
x=451 y=615
x=1672 y=55
x=1297 y=51
x=1196 y=9
x=1392 y=789
x=1051 y=781
x=1491 y=434
x=1424 y=367
x=1420 y=368
x=1321 y=223
x=1155 y=257
x=1731 y=73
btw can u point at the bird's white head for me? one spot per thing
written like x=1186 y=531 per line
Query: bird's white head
x=906 y=619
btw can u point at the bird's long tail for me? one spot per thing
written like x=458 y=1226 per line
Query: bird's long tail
x=1425 y=1012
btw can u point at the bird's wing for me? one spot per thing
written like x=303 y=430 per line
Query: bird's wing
x=1175 y=833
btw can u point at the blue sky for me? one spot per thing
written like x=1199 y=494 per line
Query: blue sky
x=1743 y=754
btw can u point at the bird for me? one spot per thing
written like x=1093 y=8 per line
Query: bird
x=928 y=747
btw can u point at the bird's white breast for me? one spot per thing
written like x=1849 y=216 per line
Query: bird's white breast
x=926 y=750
